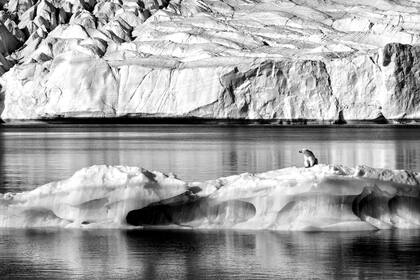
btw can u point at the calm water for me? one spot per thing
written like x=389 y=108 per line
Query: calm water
x=34 y=156
x=117 y=254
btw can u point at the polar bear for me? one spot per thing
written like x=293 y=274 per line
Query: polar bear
x=309 y=158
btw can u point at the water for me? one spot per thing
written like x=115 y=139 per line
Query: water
x=37 y=155
x=31 y=156
x=118 y=254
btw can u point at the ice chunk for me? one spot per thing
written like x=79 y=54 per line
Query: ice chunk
x=321 y=198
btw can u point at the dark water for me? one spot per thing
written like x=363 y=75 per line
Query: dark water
x=34 y=156
x=119 y=254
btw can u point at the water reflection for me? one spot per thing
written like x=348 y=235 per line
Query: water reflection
x=32 y=156
x=114 y=254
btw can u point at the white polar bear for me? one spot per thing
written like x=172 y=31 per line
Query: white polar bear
x=309 y=158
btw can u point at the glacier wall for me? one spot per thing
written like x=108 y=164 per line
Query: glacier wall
x=234 y=59
x=321 y=198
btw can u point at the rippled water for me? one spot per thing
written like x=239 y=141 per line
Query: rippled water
x=37 y=155
x=117 y=254
x=33 y=156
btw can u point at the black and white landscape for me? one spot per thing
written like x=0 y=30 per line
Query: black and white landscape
x=160 y=139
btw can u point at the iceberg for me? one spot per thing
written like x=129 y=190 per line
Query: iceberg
x=321 y=198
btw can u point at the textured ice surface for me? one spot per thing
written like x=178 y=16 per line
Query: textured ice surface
x=319 y=198
x=265 y=59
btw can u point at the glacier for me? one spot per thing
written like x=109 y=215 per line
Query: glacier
x=232 y=59
x=320 y=198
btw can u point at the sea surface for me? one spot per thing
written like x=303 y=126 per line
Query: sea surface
x=34 y=155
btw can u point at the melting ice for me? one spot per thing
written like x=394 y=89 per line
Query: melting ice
x=319 y=198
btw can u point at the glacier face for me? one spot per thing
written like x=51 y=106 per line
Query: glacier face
x=321 y=198
x=236 y=59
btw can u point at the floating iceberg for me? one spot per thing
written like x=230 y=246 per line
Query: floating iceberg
x=321 y=198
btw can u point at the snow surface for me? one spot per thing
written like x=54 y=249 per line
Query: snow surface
x=321 y=198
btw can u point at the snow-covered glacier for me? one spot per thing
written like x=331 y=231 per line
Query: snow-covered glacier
x=321 y=198
x=232 y=59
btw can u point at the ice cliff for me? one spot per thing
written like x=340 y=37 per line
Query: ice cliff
x=240 y=59
x=321 y=198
